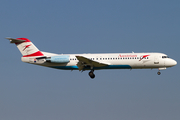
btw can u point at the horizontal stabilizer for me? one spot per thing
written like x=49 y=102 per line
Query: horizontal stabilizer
x=12 y=40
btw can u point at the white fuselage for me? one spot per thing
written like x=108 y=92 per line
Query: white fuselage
x=31 y=54
x=114 y=61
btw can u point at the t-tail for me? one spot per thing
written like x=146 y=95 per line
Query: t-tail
x=26 y=47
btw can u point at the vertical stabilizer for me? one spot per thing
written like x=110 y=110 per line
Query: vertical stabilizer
x=26 y=47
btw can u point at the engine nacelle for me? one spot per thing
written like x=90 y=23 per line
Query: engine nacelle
x=58 y=59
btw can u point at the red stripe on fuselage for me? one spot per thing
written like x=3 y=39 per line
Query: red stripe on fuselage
x=144 y=57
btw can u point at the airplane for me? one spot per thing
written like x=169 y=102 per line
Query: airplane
x=31 y=54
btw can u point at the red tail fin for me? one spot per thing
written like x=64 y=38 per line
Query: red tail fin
x=26 y=47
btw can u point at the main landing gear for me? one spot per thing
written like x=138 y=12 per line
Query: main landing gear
x=91 y=74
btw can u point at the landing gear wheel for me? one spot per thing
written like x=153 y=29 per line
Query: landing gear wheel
x=159 y=73
x=91 y=74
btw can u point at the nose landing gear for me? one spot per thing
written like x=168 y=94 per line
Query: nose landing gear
x=158 y=72
x=160 y=69
x=91 y=74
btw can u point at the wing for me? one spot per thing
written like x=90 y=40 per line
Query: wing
x=83 y=61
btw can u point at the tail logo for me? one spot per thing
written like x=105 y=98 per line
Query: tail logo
x=26 y=47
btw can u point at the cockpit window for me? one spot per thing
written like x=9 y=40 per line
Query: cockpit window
x=165 y=57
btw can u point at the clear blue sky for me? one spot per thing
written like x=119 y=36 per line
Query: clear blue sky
x=29 y=92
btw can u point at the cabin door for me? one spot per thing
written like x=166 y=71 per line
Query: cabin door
x=156 y=60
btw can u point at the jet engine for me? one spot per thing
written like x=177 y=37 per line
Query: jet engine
x=58 y=59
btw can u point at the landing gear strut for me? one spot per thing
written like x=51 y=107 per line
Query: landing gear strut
x=158 y=72
x=91 y=74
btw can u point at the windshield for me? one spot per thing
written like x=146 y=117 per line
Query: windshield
x=165 y=57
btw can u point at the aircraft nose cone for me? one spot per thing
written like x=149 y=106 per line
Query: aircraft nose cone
x=174 y=63
x=170 y=63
